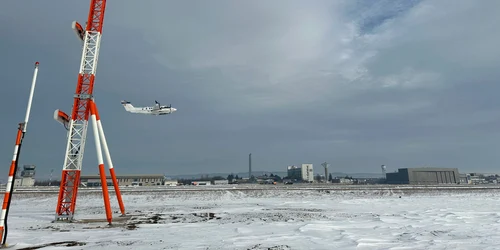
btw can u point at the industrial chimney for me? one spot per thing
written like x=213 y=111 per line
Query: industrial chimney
x=325 y=165
x=249 y=166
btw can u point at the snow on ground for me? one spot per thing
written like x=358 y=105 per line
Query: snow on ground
x=267 y=219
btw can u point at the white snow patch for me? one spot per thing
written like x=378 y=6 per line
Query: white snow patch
x=268 y=219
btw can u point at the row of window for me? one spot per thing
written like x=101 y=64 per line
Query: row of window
x=98 y=184
x=140 y=180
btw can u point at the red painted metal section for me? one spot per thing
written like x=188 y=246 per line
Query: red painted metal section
x=12 y=173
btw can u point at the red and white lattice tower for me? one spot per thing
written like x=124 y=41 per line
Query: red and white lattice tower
x=77 y=123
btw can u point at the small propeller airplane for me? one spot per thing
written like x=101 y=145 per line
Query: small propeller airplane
x=157 y=109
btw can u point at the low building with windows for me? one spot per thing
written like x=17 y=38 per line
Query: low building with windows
x=201 y=183
x=342 y=180
x=124 y=180
x=171 y=183
x=221 y=182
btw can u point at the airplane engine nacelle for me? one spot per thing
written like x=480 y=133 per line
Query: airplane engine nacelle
x=78 y=29
x=61 y=117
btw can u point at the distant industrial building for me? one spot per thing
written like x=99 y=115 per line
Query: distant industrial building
x=424 y=176
x=171 y=183
x=303 y=173
x=201 y=183
x=342 y=180
x=27 y=177
x=464 y=179
x=307 y=172
x=221 y=182
x=125 y=180
x=294 y=173
x=476 y=178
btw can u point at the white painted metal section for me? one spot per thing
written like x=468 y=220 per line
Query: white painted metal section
x=30 y=99
x=16 y=150
x=104 y=144
x=96 y=140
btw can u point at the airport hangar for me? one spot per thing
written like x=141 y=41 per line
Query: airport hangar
x=424 y=176
x=125 y=180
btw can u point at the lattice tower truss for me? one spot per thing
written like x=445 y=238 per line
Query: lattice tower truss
x=78 y=123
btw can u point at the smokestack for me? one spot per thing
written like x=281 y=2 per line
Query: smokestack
x=249 y=166
x=325 y=165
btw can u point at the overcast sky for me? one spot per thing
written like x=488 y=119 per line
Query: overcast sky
x=354 y=83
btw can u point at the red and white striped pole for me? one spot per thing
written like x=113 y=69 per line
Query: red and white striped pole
x=108 y=159
x=13 y=166
x=102 y=173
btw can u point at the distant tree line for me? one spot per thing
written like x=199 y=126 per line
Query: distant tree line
x=230 y=178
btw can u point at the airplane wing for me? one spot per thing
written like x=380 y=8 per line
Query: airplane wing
x=156 y=107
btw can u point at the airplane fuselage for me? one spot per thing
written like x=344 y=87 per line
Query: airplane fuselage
x=151 y=111
x=156 y=110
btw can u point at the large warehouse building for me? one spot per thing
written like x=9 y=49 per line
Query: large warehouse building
x=125 y=180
x=424 y=176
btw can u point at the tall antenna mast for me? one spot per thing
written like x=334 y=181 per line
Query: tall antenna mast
x=83 y=109
x=14 y=164
x=50 y=180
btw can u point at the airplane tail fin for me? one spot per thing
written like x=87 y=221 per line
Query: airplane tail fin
x=127 y=105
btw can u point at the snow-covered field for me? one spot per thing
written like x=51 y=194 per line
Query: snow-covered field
x=267 y=218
